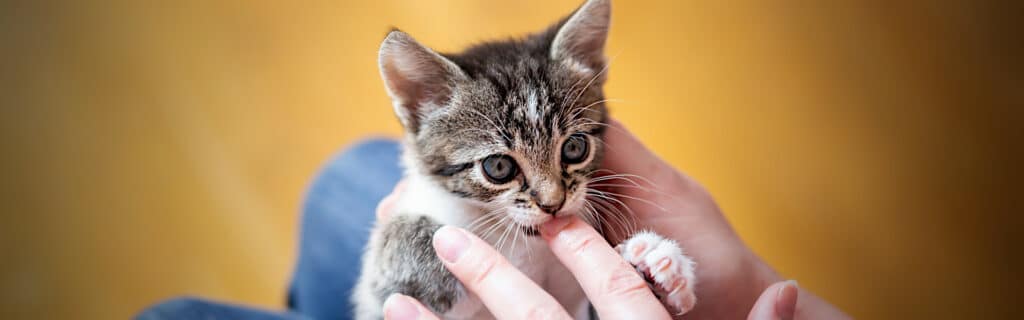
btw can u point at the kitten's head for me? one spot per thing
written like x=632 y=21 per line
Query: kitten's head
x=512 y=124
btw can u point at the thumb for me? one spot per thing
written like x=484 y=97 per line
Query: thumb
x=777 y=302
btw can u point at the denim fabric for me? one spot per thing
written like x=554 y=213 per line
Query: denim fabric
x=196 y=308
x=336 y=219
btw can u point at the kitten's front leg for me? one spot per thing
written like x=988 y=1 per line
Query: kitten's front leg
x=663 y=264
x=401 y=259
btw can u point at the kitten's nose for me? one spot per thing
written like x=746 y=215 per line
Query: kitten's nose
x=549 y=203
x=552 y=209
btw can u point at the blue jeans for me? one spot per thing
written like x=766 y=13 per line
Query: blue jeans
x=336 y=219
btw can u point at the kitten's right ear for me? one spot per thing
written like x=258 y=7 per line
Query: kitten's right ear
x=580 y=40
x=419 y=80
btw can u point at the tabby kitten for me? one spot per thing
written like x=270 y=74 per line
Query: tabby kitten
x=499 y=139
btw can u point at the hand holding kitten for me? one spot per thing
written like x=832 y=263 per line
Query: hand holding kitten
x=731 y=276
x=733 y=279
x=615 y=288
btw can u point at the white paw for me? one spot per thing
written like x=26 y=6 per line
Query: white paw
x=666 y=268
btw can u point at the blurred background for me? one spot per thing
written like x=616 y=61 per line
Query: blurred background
x=157 y=149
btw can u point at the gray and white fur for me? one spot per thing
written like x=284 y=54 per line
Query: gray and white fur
x=521 y=100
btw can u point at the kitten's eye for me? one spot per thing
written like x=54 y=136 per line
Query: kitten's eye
x=574 y=150
x=499 y=169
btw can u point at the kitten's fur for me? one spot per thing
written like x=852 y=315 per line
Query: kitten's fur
x=521 y=98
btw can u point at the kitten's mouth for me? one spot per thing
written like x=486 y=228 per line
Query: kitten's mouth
x=531 y=227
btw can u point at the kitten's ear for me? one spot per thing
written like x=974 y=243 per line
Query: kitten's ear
x=419 y=80
x=580 y=41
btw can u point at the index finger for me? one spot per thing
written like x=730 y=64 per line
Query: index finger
x=614 y=287
x=491 y=277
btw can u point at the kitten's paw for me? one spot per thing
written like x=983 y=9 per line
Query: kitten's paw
x=666 y=268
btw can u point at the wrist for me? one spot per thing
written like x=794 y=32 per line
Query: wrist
x=743 y=281
x=761 y=274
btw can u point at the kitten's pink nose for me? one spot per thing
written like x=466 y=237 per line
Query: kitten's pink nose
x=552 y=209
x=550 y=203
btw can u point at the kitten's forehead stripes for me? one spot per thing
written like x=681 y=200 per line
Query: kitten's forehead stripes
x=514 y=98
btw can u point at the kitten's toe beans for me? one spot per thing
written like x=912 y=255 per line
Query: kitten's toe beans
x=664 y=264
x=636 y=248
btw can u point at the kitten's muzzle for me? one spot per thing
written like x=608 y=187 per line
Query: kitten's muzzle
x=548 y=193
x=550 y=204
x=552 y=209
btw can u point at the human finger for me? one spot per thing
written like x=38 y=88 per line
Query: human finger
x=613 y=286
x=777 y=302
x=492 y=278
x=402 y=307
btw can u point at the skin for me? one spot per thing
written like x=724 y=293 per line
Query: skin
x=733 y=282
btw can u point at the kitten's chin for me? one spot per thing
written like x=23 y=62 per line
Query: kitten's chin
x=532 y=219
x=529 y=220
x=531 y=230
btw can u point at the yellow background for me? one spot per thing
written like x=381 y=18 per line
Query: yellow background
x=153 y=150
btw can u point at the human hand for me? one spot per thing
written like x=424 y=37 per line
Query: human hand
x=662 y=199
x=611 y=284
x=614 y=287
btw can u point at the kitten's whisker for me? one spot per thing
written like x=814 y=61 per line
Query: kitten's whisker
x=608 y=178
x=623 y=176
x=482 y=221
x=577 y=111
x=617 y=215
x=610 y=172
x=490 y=230
x=632 y=186
x=515 y=239
x=570 y=92
x=648 y=202
x=627 y=186
x=629 y=175
x=585 y=214
x=612 y=178
x=504 y=235
x=529 y=248
x=495 y=227
x=653 y=187
x=500 y=233
x=593 y=212
x=612 y=221
x=485 y=218
x=573 y=87
x=580 y=122
x=591 y=82
x=601 y=195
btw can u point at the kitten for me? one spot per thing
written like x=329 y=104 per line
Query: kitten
x=500 y=139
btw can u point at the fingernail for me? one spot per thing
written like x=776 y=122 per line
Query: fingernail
x=785 y=301
x=399 y=307
x=554 y=226
x=450 y=243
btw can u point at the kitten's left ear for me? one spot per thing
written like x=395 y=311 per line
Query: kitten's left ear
x=419 y=80
x=580 y=41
